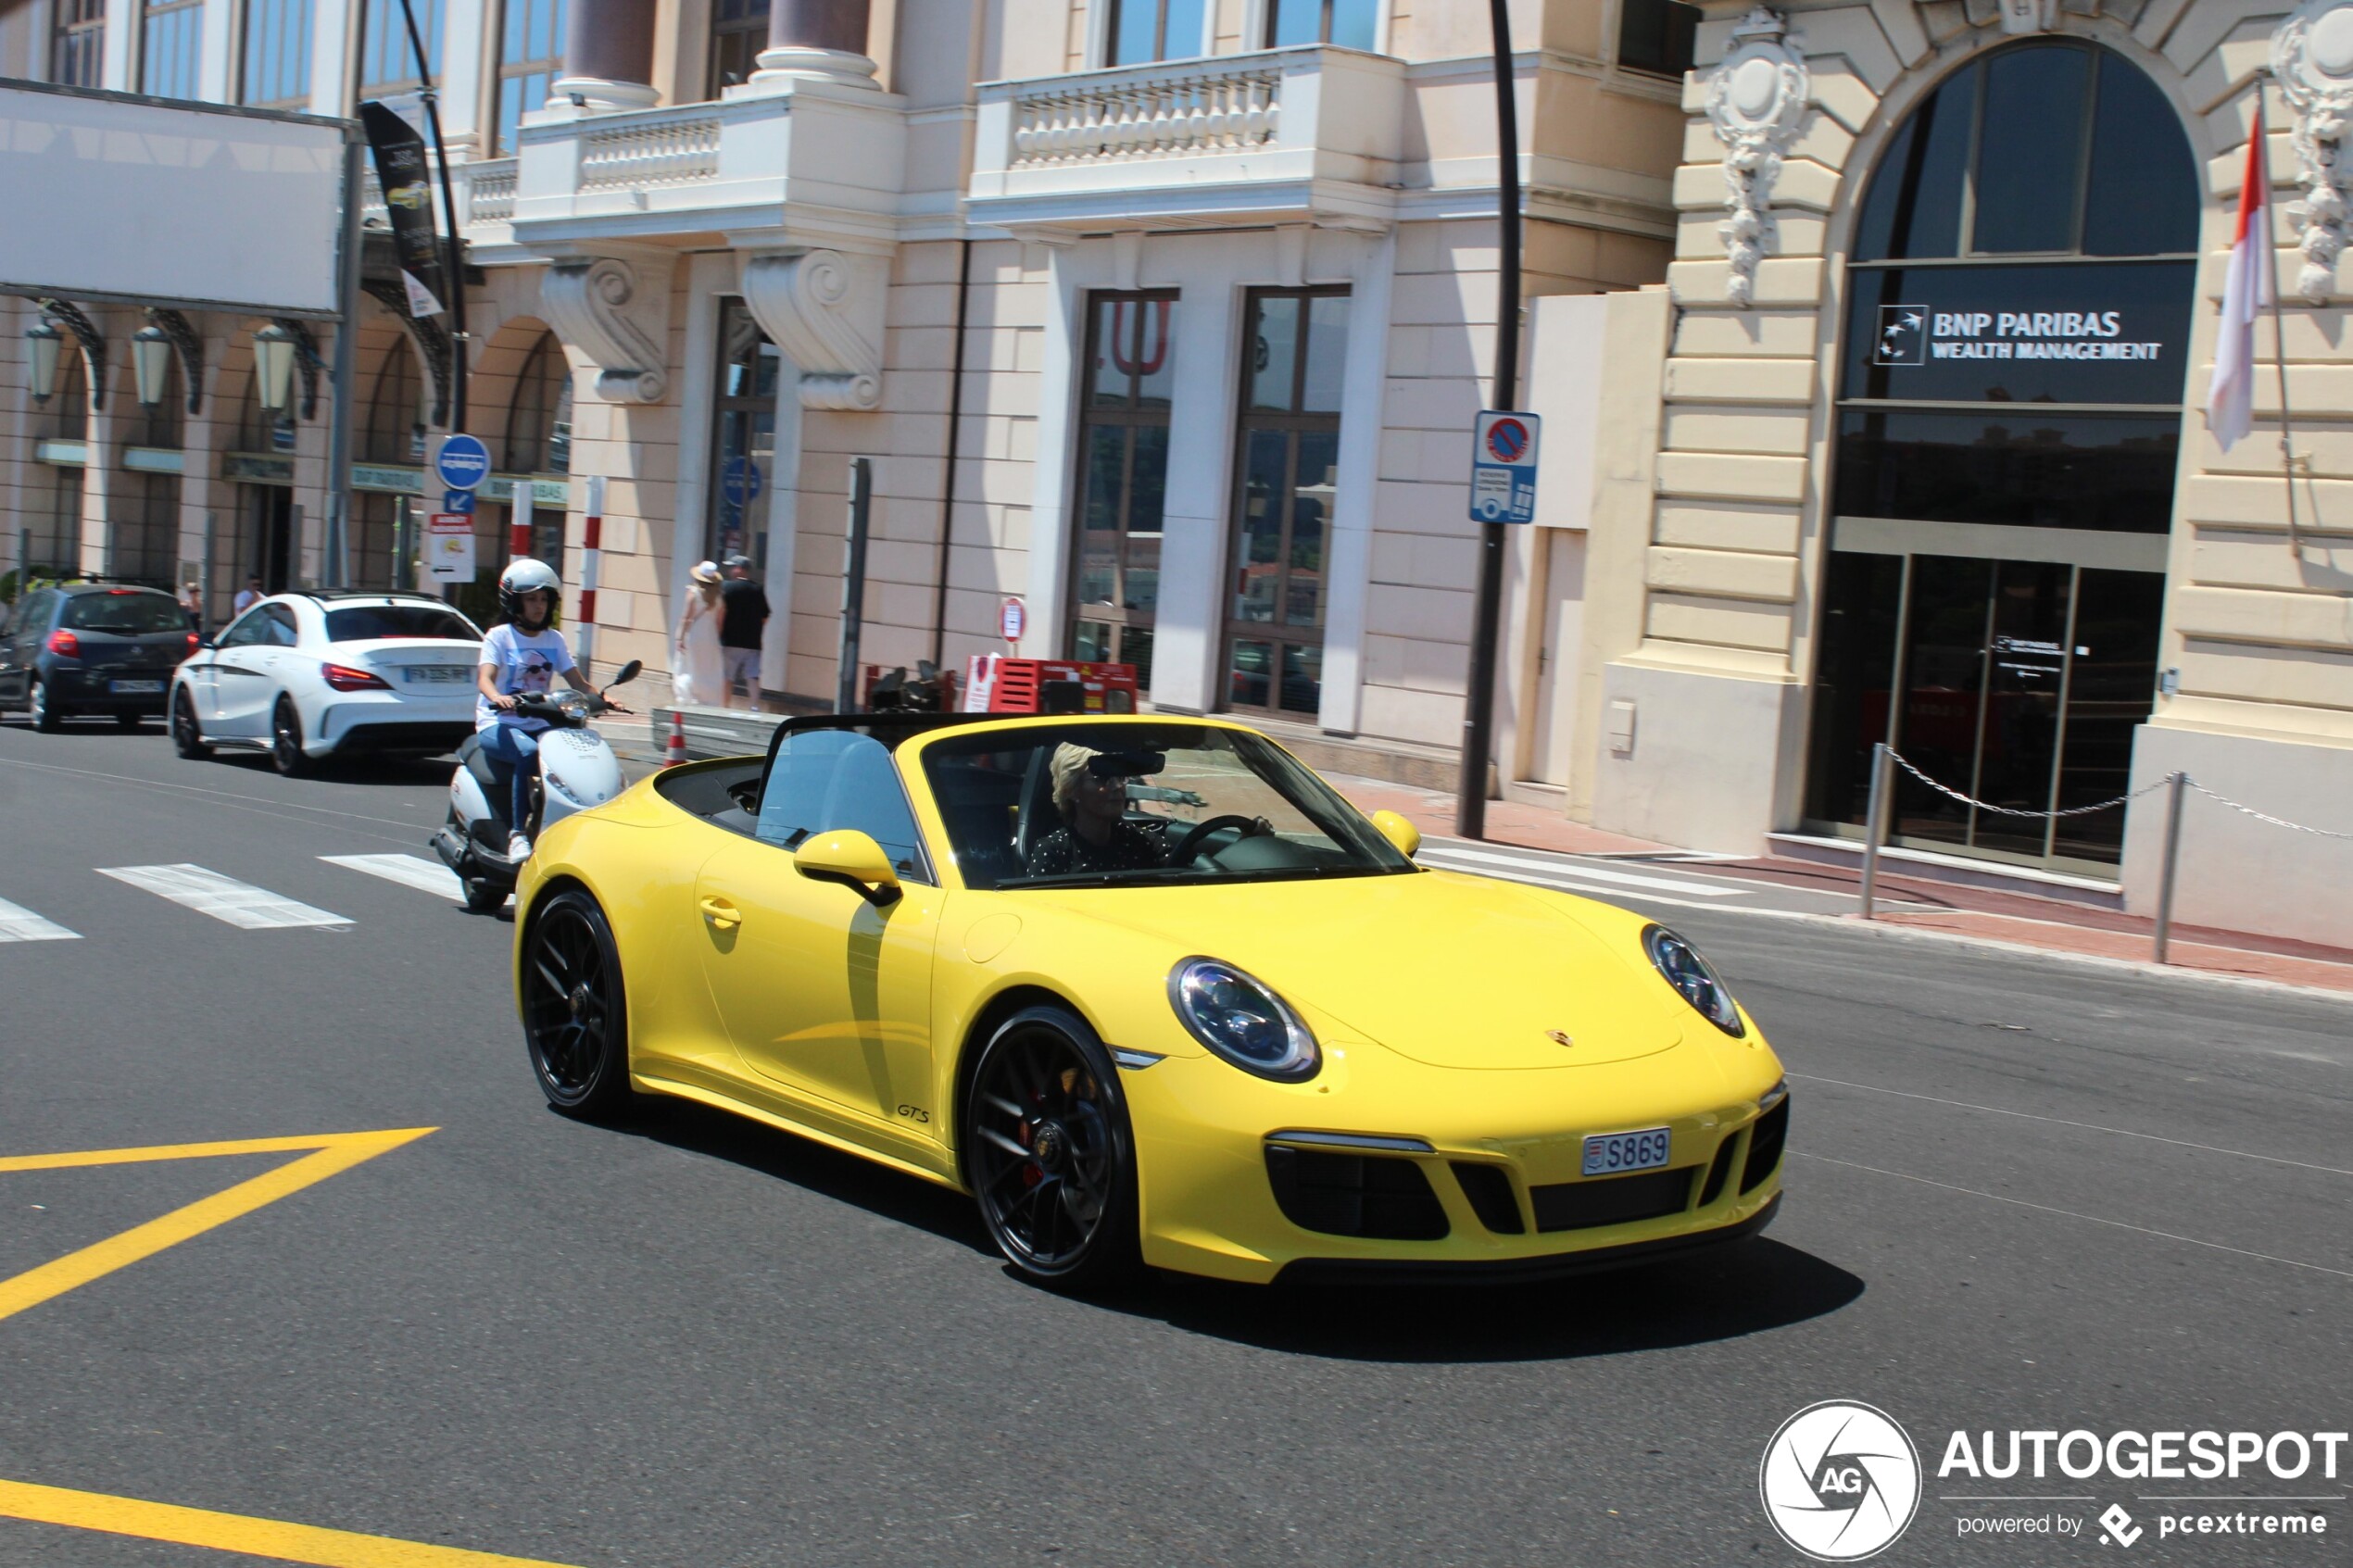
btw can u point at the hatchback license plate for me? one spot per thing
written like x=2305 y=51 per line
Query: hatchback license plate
x=128 y=688
x=1614 y=1154
x=418 y=673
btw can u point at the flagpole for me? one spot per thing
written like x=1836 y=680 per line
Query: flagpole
x=2279 y=335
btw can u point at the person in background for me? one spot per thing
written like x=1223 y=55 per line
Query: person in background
x=742 y=631
x=248 y=597
x=192 y=600
x=698 y=675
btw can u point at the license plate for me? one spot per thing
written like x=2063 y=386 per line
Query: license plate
x=127 y=688
x=1614 y=1154
x=418 y=674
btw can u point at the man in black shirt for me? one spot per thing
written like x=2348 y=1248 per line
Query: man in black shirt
x=741 y=631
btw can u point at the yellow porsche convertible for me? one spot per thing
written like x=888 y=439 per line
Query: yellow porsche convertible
x=1149 y=991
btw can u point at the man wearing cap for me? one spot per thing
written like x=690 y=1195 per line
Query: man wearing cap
x=741 y=630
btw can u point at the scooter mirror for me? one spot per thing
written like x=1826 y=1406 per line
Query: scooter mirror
x=628 y=672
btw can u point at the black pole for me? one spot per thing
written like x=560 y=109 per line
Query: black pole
x=853 y=585
x=1478 y=710
x=456 y=283
x=955 y=429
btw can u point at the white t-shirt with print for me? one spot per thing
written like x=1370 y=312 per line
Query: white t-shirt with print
x=526 y=661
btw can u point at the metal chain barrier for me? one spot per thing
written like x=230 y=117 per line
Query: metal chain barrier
x=2259 y=816
x=1905 y=763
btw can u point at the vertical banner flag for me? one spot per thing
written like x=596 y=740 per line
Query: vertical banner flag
x=401 y=174
x=2247 y=288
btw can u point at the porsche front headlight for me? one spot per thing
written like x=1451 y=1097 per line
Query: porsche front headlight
x=1689 y=974
x=1243 y=1021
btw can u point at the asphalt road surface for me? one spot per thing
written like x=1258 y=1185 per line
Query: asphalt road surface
x=2023 y=1194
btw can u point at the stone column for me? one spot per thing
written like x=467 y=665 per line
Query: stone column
x=608 y=56
x=819 y=39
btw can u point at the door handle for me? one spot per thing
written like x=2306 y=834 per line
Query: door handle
x=720 y=913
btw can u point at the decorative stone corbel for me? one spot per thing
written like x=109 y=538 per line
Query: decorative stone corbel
x=1756 y=101
x=823 y=309
x=2313 y=61
x=618 y=309
x=2020 y=17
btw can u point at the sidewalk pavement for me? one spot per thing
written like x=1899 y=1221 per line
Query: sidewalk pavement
x=1981 y=914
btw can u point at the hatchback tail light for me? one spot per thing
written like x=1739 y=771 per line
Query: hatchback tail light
x=192 y=641
x=344 y=677
x=64 y=642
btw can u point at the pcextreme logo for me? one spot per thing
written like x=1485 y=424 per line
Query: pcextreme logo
x=1840 y=1481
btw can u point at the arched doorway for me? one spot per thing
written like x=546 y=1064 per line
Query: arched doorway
x=383 y=551
x=2009 y=414
x=539 y=440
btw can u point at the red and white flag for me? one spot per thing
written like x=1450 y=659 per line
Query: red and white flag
x=2247 y=288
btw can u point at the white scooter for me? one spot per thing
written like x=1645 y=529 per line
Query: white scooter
x=576 y=770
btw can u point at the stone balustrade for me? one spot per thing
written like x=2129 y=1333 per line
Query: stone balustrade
x=1204 y=107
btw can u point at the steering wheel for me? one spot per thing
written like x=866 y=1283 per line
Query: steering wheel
x=1182 y=851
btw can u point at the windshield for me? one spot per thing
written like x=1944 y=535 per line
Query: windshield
x=1115 y=804
x=131 y=612
x=366 y=623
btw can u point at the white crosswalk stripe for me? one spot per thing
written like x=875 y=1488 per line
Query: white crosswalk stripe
x=224 y=899
x=21 y=924
x=409 y=871
x=1528 y=868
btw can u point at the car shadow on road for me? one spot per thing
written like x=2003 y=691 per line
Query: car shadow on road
x=1749 y=1287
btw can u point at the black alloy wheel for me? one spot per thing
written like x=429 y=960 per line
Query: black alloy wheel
x=575 y=1016
x=285 y=739
x=186 y=738
x=45 y=715
x=1048 y=1152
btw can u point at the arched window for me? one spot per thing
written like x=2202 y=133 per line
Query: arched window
x=396 y=414
x=2020 y=291
x=539 y=421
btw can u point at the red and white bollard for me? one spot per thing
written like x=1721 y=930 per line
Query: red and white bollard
x=673 y=751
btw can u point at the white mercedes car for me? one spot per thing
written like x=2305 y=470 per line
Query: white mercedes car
x=307 y=676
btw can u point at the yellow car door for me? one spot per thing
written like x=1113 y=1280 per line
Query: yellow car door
x=824 y=991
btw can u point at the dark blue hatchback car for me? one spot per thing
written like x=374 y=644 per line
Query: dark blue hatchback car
x=92 y=648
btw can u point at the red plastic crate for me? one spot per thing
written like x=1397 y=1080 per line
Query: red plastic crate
x=996 y=683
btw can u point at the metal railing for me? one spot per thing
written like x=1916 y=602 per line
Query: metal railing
x=1184 y=111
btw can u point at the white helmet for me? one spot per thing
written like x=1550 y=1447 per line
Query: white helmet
x=524 y=575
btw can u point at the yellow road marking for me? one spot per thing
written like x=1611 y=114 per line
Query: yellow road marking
x=236 y=1532
x=335 y=1152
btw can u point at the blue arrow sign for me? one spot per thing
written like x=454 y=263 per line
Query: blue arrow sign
x=464 y=462
x=458 y=501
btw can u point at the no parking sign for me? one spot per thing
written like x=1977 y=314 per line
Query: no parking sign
x=1504 y=467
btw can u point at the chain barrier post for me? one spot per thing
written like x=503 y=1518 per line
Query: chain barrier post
x=2175 y=784
x=1874 y=815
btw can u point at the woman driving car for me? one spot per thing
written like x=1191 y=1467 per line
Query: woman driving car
x=1091 y=793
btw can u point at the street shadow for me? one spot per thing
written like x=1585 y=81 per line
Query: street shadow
x=382 y=772
x=1746 y=1288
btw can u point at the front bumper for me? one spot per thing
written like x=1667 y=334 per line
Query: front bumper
x=1209 y=1205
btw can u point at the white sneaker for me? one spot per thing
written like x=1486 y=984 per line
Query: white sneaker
x=518 y=848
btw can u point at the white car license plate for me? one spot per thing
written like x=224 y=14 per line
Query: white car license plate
x=1614 y=1154
x=126 y=688
x=422 y=674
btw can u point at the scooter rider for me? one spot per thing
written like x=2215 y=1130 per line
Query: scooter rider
x=522 y=654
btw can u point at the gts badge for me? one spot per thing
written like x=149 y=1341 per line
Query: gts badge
x=914 y=1113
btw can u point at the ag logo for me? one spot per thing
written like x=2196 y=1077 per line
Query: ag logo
x=1902 y=335
x=1840 y=1481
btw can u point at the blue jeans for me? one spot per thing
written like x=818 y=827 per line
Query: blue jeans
x=510 y=747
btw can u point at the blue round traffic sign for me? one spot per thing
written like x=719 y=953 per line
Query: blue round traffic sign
x=464 y=462
x=739 y=480
x=1506 y=440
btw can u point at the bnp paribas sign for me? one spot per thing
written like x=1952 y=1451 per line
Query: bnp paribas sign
x=1913 y=334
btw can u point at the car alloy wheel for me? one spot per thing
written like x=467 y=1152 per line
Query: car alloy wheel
x=1047 y=1153
x=575 y=1020
x=186 y=738
x=285 y=739
x=46 y=718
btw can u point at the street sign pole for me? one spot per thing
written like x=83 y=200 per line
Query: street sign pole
x=1478 y=708
x=853 y=585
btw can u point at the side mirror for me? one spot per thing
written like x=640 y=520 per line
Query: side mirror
x=1399 y=831
x=627 y=672
x=852 y=859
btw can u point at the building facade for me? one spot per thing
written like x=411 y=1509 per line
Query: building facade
x=1871 y=349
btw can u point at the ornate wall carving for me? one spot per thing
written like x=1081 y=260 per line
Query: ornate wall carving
x=2313 y=60
x=618 y=309
x=823 y=309
x=1756 y=101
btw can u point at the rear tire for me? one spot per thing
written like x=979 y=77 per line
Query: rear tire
x=574 y=1010
x=484 y=898
x=46 y=715
x=286 y=740
x=186 y=738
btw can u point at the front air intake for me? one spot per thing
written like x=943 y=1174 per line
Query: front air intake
x=1612 y=1201
x=1354 y=1195
x=1490 y=1191
x=1765 y=1146
x=1719 y=1171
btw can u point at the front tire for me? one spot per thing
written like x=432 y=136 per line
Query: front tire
x=1049 y=1153
x=484 y=898
x=186 y=738
x=44 y=713
x=286 y=740
x=575 y=1013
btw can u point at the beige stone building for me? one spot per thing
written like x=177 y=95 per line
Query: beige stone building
x=1872 y=352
